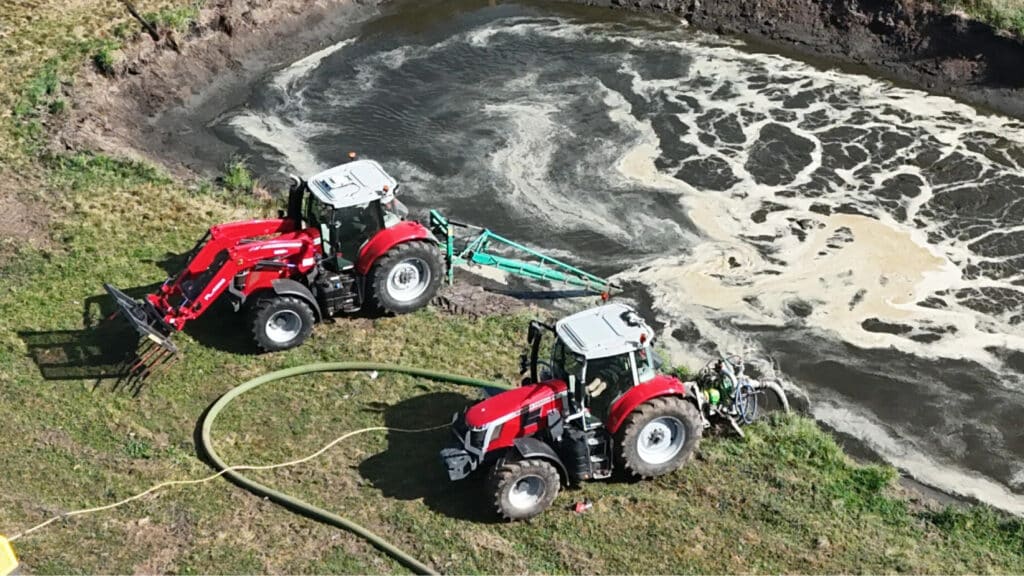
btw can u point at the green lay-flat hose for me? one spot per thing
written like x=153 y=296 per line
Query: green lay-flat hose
x=300 y=506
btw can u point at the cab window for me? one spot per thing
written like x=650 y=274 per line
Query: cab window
x=645 y=365
x=606 y=380
x=353 y=225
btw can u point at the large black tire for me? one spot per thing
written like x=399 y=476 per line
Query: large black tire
x=280 y=323
x=659 y=436
x=407 y=277
x=523 y=488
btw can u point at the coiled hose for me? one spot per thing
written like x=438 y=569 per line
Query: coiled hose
x=300 y=506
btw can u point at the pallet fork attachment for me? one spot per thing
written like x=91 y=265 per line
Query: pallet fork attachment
x=155 y=350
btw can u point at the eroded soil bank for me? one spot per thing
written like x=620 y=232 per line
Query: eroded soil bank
x=230 y=44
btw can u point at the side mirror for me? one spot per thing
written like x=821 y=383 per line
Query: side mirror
x=280 y=214
x=659 y=363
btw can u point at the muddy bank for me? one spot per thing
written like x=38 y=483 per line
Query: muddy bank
x=229 y=45
x=902 y=40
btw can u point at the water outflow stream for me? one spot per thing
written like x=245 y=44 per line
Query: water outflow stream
x=868 y=238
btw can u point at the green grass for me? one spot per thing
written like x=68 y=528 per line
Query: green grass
x=176 y=17
x=104 y=59
x=237 y=177
x=784 y=500
x=1001 y=14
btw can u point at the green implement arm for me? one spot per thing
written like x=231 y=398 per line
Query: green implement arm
x=475 y=251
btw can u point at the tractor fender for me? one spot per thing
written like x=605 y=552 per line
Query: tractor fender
x=387 y=239
x=530 y=447
x=661 y=385
x=289 y=287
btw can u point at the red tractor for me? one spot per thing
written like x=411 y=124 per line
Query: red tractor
x=600 y=403
x=344 y=243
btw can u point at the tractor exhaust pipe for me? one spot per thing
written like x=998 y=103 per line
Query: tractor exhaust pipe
x=155 y=351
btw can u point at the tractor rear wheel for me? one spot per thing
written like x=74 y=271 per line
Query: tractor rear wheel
x=281 y=322
x=659 y=436
x=523 y=488
x=407 y=277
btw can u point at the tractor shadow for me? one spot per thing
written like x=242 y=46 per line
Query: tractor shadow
x=107 y=346
x=103 y=350
x=411 y=468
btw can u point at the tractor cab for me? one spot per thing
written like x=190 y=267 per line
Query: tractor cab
x=348 y=204
x=603 y=352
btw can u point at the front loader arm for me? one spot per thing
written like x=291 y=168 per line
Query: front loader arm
x=231 y=249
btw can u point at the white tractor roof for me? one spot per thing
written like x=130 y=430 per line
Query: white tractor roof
x=353 y=184
x=607 y=330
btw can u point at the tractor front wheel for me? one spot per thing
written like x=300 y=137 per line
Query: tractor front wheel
x=407 y=277
x=281 y=322
x=659 y=436
x=523 y=488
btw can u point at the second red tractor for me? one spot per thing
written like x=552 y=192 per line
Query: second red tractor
x=596 y=404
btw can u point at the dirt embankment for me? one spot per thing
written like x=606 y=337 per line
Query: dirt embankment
x=904 y=40
x=229 y=42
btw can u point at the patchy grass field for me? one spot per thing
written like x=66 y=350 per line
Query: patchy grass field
x=1002 y=14
x=786 y=500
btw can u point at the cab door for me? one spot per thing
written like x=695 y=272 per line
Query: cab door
x=353 y=226
x=606 y=380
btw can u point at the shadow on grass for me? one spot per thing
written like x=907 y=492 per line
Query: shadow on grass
x=411 y=468
x=104 y=350
x=107 y=347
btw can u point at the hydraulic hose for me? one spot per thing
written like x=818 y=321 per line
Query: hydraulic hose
x=300 y=506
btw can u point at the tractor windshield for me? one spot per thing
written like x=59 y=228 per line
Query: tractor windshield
x=344 y=230
x=354 y=225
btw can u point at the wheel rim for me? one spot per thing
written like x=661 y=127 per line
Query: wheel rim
x=661 y=440
x=408 y=280
x=527 y=492
x=283 y=326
